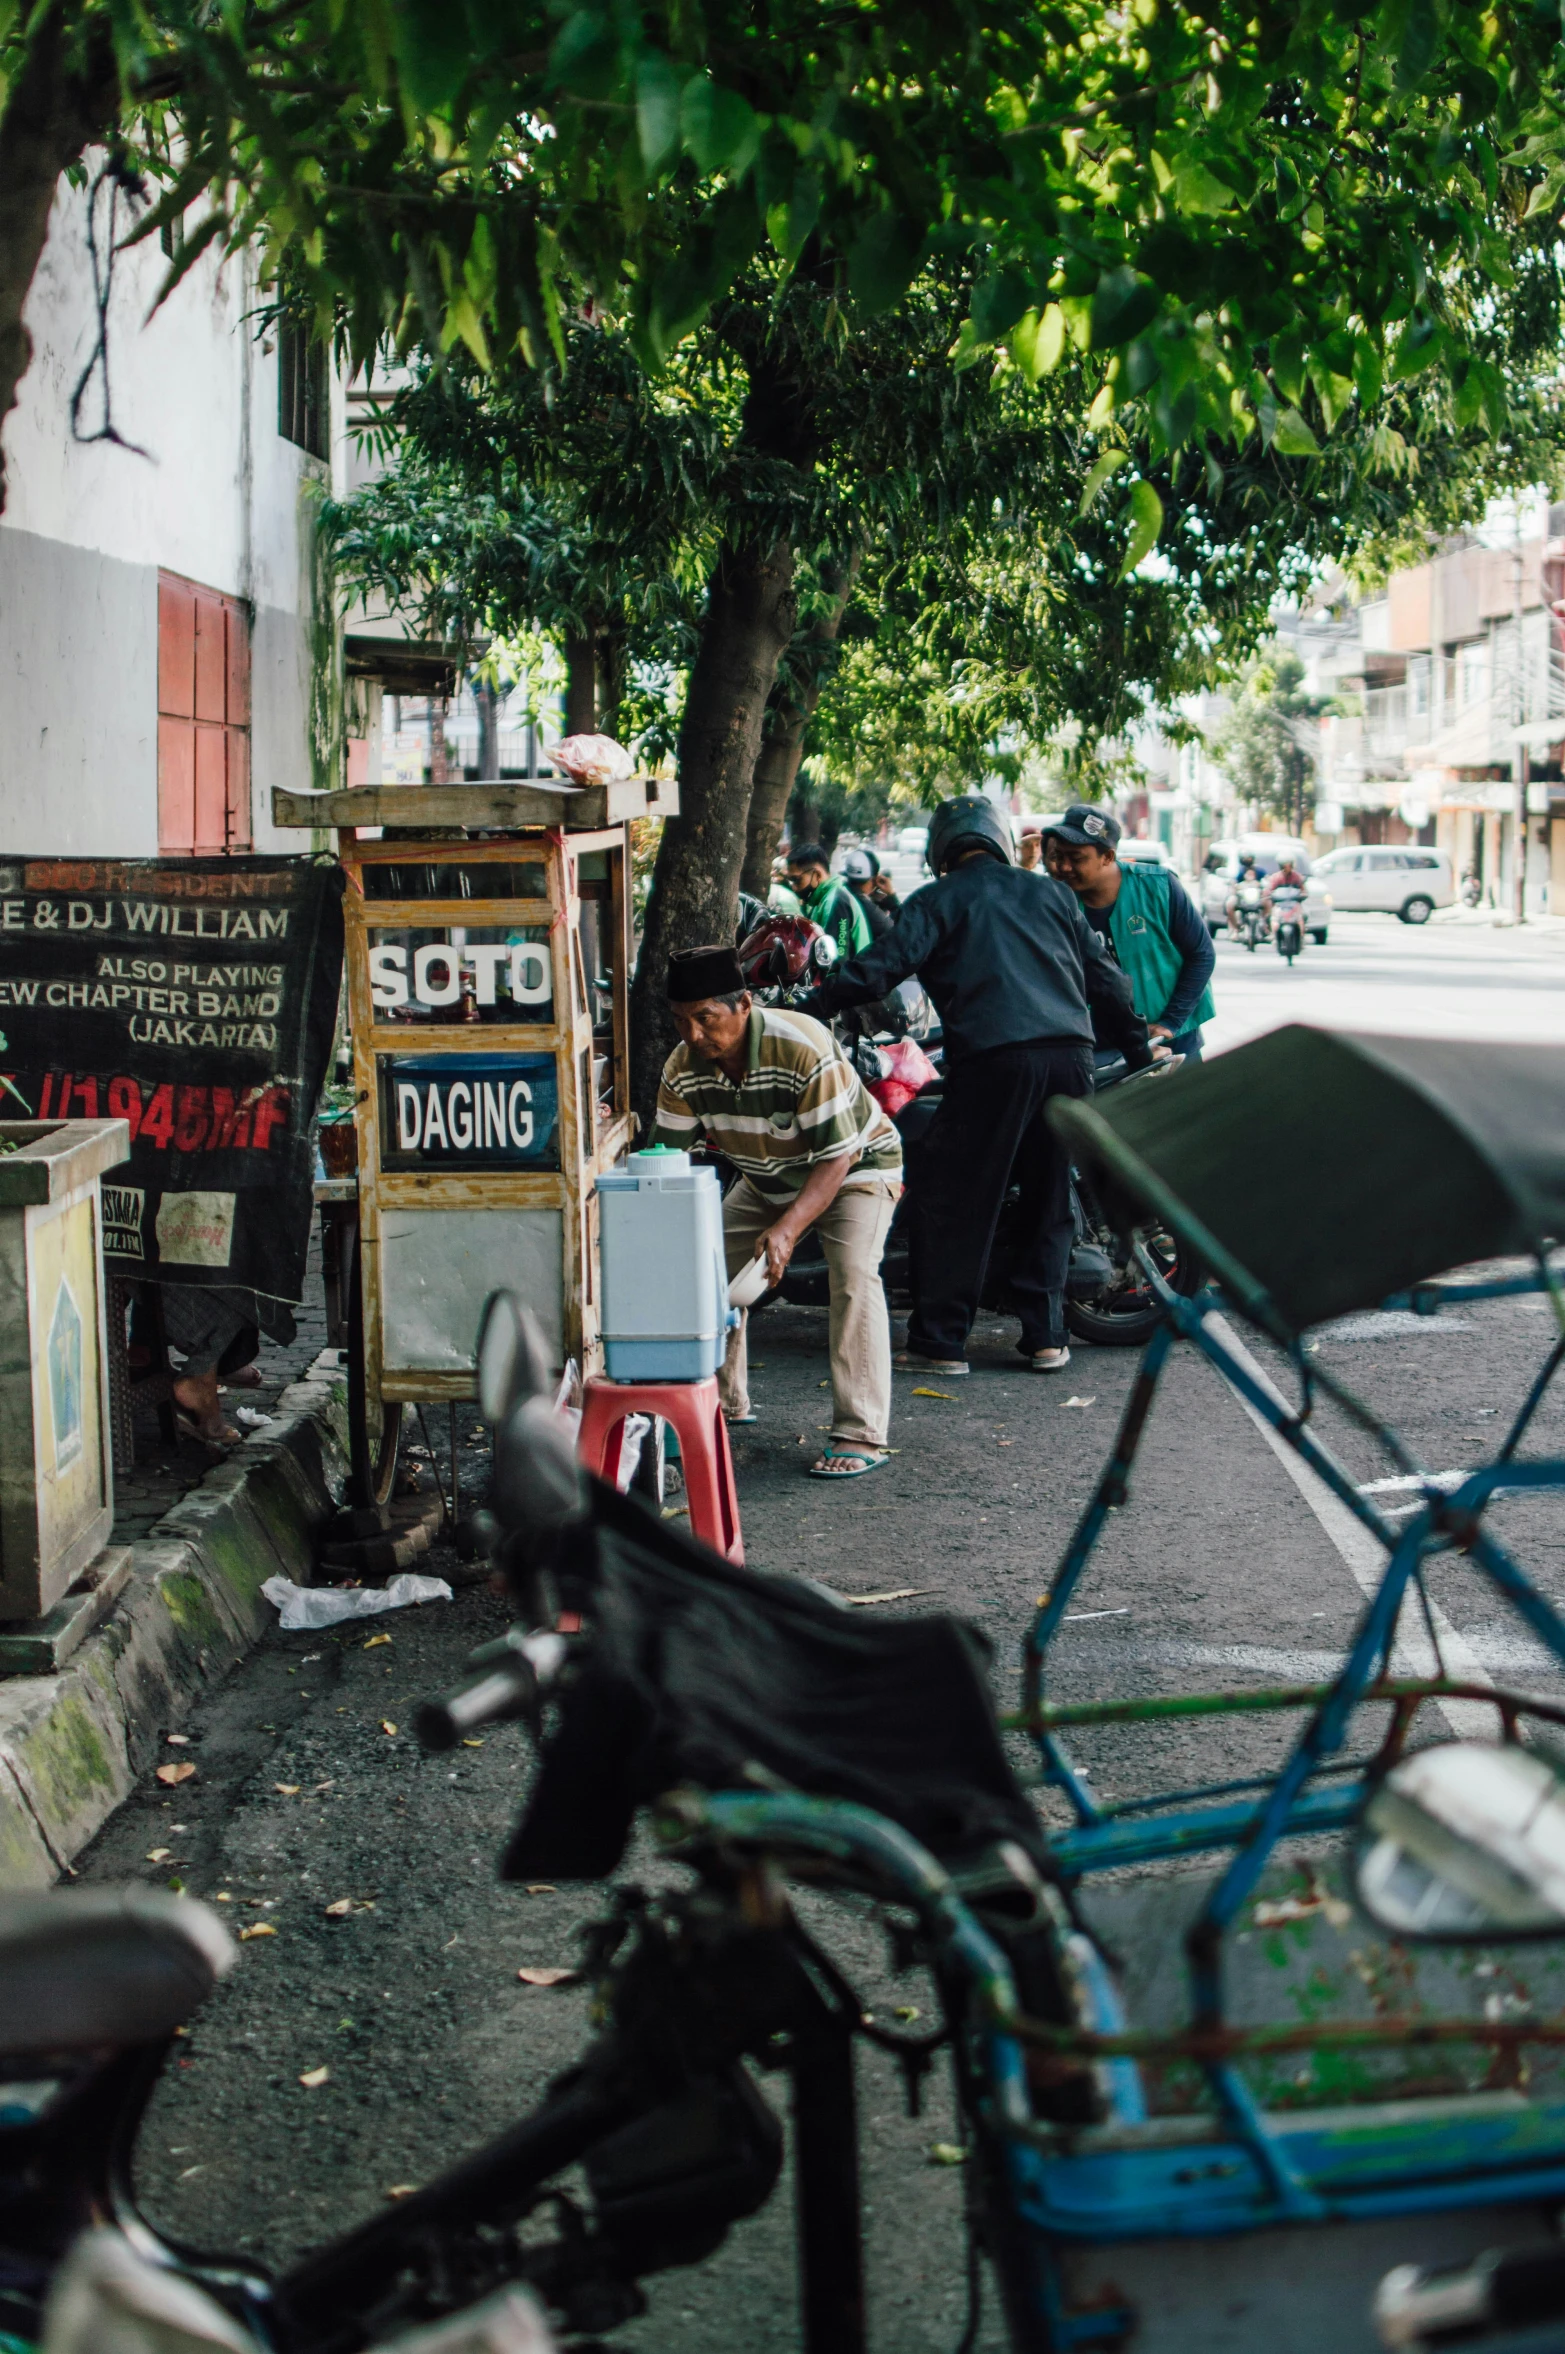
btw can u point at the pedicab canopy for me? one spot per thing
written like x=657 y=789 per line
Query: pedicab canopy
x=1337 y=1167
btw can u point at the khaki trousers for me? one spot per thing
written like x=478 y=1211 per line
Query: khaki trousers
x=853 y=1235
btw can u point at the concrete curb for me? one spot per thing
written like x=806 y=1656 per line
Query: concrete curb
x=72 y=1744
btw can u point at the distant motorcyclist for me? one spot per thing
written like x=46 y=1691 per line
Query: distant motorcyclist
x=1017 y=975
x=826 y=901
x=1286 y=878
x=1249 y=872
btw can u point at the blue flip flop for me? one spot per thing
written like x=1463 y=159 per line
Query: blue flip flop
x=865 y=1458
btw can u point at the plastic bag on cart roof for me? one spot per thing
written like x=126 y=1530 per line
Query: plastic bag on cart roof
x=591 y=760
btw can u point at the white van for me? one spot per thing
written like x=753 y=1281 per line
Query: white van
x=1410 y=883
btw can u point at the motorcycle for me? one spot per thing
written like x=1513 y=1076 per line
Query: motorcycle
x=1250 y=914
x=1287 y=917
x=96 y=1985
x=1108 y=1298
x=658 y=2139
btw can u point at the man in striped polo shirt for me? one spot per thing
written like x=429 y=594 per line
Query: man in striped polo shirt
x=774 y=1093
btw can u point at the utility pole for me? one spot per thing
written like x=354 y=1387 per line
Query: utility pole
x=486 y=695
x=1519 y=700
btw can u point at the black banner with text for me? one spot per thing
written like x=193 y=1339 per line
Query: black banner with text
x=195 y=998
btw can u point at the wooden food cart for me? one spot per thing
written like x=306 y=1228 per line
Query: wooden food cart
x=488 y=941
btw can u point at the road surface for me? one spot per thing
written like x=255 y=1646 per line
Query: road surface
x=1447 y=979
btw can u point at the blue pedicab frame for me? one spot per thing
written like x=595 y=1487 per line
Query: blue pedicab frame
x=1247 y=2169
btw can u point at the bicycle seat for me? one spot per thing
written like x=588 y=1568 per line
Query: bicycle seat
x=84 y=1967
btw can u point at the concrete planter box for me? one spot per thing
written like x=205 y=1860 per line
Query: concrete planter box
x=56 y=1459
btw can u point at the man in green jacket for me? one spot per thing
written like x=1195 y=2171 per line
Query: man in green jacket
x=826 y=901
x=1148 y=921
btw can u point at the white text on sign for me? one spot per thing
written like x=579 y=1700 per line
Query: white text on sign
x=471 y=1119
x=439 y=979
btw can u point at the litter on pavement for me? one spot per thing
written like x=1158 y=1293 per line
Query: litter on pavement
x=326 y=1606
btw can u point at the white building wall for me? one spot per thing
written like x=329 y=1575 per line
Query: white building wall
x=219 y=497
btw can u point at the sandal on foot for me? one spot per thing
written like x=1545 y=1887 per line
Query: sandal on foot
x=911 y=1361
x=740 y=1421
x=1047 y=1360
x=846 y=1462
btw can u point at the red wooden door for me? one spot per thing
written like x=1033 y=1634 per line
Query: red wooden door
x=203 y=720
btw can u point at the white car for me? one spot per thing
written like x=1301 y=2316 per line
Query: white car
x=913 y=841
x=1214 y=885
x=1410 y=883
x=1132 y=853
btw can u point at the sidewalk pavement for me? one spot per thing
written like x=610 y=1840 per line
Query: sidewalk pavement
x=205 y=1530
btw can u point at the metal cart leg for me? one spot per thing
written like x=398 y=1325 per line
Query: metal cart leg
x=372 y=1456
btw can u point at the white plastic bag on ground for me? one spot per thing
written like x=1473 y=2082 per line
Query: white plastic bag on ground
x=326 y=1606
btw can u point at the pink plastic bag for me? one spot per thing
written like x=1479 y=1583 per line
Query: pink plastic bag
x=905 y=1068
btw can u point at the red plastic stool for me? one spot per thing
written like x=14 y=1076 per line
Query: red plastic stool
x=692 y=1408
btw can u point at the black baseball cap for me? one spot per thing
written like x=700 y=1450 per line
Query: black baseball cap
x=1089 y=828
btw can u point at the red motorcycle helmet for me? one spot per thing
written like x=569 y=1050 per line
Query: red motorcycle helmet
x=785 y=952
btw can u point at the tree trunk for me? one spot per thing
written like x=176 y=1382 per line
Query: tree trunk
x=750 y=616
x=611 y=679
x=437 y=740
x=806 y=827
x=50 y=117
x=777 y=766
x=581 y=684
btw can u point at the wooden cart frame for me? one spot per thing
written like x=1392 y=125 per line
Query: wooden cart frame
x=579 y=843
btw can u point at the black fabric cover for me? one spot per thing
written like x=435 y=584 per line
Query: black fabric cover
x=698 y=1669
x=1339 y=1167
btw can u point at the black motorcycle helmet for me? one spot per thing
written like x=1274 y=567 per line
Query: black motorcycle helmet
x=967 y=824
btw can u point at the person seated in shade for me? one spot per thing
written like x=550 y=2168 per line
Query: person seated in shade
x=773 y=1092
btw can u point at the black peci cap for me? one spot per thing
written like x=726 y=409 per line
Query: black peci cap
x=695 y=973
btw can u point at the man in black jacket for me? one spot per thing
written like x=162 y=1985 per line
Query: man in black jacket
x=1022 y=985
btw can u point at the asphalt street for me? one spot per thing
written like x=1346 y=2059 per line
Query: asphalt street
x=309 y=1794
x=1458 y=976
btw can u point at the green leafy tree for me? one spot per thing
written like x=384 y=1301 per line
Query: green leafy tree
x=1269 y=744
x=1251 y=217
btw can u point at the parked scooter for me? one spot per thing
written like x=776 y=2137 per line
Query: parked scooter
x=683 y=1681
x=1288 y=921
x=1107 y=1297
x=95 y=1986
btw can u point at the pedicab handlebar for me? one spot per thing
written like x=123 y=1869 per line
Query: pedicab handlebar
x=507 y=1681
x=1518 y=2290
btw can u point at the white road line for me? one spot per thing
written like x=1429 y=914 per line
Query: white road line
x=1414 y=1654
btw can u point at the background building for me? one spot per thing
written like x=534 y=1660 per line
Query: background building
x=167 y=655
x=1446 y=723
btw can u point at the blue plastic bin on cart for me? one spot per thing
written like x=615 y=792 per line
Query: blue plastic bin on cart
x=665 y=1282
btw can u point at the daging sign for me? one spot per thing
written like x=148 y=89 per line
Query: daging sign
x=468 y=1111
